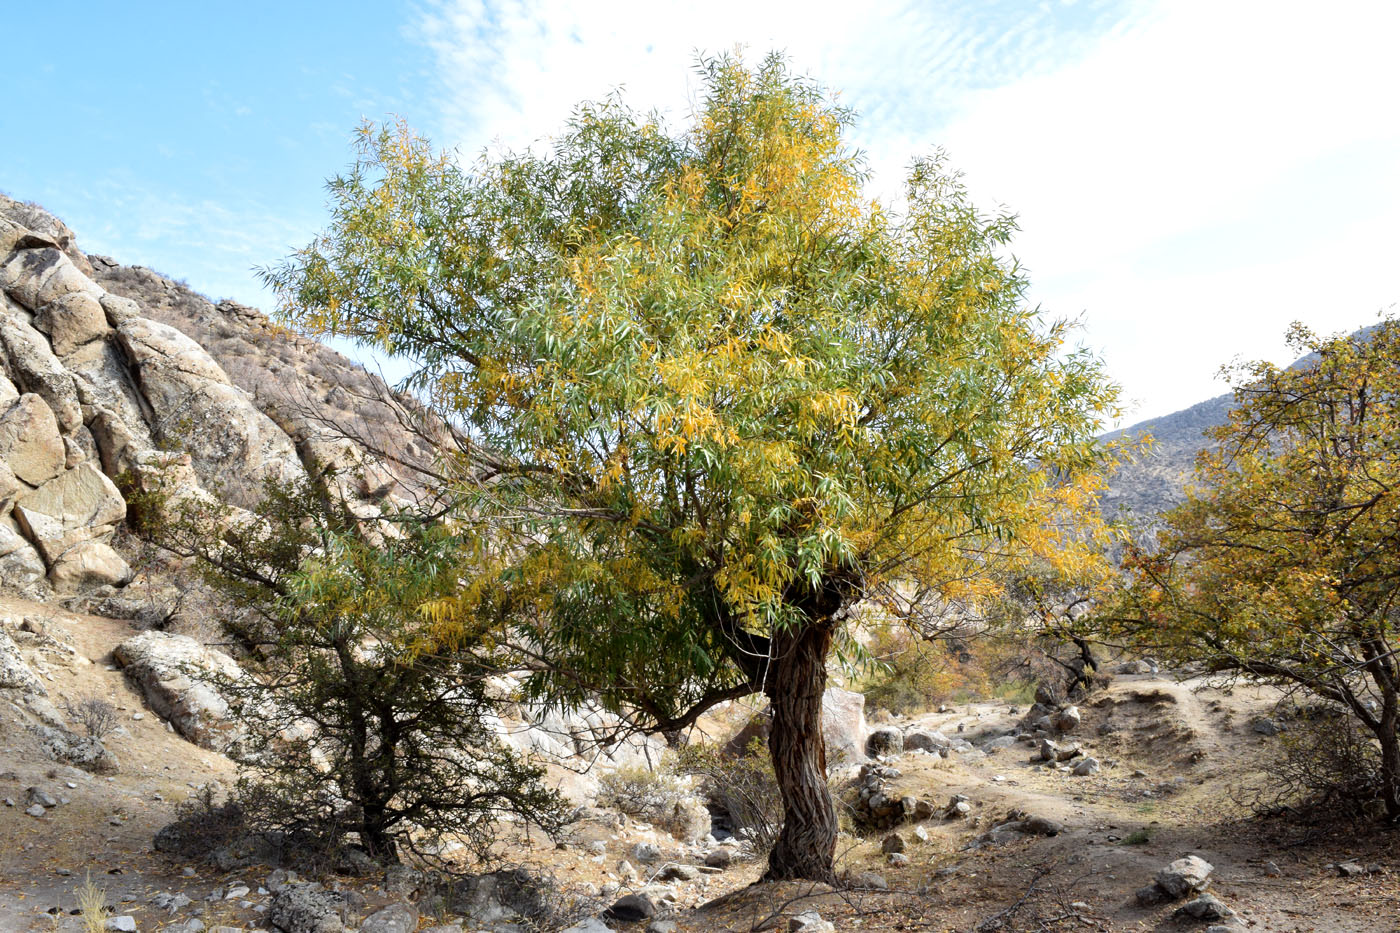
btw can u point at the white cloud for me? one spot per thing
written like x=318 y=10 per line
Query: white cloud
x=1190 y=175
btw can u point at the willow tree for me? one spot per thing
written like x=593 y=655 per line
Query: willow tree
x=719 y=395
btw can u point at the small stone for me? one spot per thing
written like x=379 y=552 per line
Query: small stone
x=893 y=843
x=897 y=860
x=678 y=873
x=1066 y=720
x=1086 y=767
x=809 y=921
x=597 y=847
x=1350 y=869
x=236 y=892
x=630 y=908
x=662 y=926
x=646 y=852
x=719 y=858
x=868 y=879
x=396 y=918
x=1151 y=896
x=1185 y=875
x=1207 y=907
x=123 y=924
x=35 y=811
x=138 y=716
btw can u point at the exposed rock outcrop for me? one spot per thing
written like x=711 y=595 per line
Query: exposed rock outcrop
x=179 y=677
x=110 y=374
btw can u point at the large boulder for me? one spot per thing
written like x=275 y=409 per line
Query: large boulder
x=178 y=676
x=306 y=908
x=33 y=367
x=30 y=444
x=35 y=277
x=20 y=565
x=72 y=321
x=88 y=564
x=21 y=686
x=233 y=446
x=77 y=505
x=843 y=728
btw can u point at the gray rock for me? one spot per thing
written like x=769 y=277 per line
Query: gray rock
x=72 y=321
x=40 y=796
x=86 y=565
x=719 y=858
x=445 y=928
x=306 y=908
x=1066 y=720
x=35 y=810
x=809 y=921
x=868 y=880
x=1207 y=907
x=233 y=446
x=631 y=908
x=662 y=926
x=646 y=852
x=30 y=443
x=396 y=918
x=1184 y=875
x=1268 y=726
x=1151 y=896
x=34 y=368
x=77 y=505
x=124 y=923
x=21 y=567
x=886 y=741
x=192 y=925
x=925 y=740
x=892 y=843
x=177 y=675
x=591 y=925
x=1086 y=767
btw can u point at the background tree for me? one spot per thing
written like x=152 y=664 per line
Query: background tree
x=1283 y=564
x=355 y=719
x=720 y=395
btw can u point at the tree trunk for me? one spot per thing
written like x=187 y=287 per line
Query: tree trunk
x=1390 y=767
x=806 y=847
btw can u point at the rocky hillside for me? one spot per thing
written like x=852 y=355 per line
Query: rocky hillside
x=1156 y=480
x=112 y=376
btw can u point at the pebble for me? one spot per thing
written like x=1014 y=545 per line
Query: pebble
x=35 y=811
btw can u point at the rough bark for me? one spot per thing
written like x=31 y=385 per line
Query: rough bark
x=806 y=847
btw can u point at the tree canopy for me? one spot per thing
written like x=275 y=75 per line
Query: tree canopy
x=716 y=394
x=1282 y=562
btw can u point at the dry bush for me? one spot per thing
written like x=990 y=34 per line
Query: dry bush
x=97 y=717
x=1326 y=765
x=742 y=790
x=92 y=903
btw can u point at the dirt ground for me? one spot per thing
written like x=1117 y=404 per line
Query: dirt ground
x=1179 y=759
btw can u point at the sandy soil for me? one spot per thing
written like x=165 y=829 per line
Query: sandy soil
x=1191 y=746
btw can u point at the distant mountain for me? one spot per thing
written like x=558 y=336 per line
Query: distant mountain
x=1158 y=479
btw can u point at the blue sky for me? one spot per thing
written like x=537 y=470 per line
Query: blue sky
x=1190 y=176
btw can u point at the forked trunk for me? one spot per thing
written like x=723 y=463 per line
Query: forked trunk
x=806 y=847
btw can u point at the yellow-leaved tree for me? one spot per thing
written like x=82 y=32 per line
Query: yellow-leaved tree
x=1283 y=562
x=716 y=395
